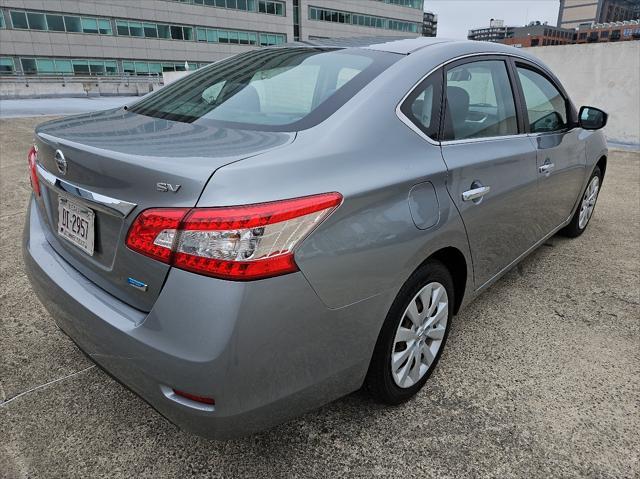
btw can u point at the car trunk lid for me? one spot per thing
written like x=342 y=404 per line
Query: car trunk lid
x=117 y=164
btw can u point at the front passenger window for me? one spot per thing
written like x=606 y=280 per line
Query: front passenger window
x=480 y=101
x=546 y=106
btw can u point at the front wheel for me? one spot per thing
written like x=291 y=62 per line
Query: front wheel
x=413 y=335
x=584 y=212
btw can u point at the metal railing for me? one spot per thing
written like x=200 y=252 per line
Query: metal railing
x=93 y=80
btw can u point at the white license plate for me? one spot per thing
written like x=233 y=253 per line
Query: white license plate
x=75 y=224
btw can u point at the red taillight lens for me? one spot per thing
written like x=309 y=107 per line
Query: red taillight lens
x=193 y=397
x=238 y=243
x=32 y=157
x=153 y=232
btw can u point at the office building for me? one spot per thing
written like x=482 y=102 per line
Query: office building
x=574 y=13
x=148 y=37
x=429 y=24
x=495 y=32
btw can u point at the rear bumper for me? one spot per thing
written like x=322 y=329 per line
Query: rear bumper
x=265 y=351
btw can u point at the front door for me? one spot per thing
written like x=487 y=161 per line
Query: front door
x=492 y=163
x=561 y=157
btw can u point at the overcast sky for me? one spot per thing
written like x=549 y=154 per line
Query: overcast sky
x=456 y=17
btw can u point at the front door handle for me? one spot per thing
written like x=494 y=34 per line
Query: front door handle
x=475 y=193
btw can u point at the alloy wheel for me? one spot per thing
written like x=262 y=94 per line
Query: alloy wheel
x=588 y=202
x=419 y=335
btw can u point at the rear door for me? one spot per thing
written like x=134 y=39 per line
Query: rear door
x=491 y=162
x=561 y=157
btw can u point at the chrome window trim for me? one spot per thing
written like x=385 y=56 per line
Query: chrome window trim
x=407 y=121
x=98 y=201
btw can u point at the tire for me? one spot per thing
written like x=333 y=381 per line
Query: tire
x=579 y=223
x=386 y=383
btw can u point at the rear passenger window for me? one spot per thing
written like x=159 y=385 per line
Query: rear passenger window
x=479 y=101
x=546 y=107
x=422 y=106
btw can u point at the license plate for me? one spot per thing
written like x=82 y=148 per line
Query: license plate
x=75 y=224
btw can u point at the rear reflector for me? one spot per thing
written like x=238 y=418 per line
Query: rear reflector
x=237 y=243
x=193 y=397
x=32 y=158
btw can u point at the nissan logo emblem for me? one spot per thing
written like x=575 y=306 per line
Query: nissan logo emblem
x=61 y=162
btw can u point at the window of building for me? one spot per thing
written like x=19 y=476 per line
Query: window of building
x=604 y=34
x=45 y=66
x=2 y=25
x=64 y=67
x=418 y=4
x=150 y=30
x=135 y=29
x=7 y=66
x=273 y=7
x=19 y=20
x=583 y=36
x=546 y=107
x=104 y=26
x=60 y=23
x=268 y=39
x=335 y=16
x=36 y=21
x=29 y=66
x=55 y=23
x=479 y=102
x=89 y=25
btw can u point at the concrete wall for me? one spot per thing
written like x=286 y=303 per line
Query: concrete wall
x=604 y=75
x=11 y=90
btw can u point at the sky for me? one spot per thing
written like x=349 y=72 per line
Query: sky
x=457 y=17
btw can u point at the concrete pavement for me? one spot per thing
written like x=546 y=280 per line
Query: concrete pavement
x=540 y=377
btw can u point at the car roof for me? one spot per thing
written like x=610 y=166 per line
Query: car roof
x=403 y=45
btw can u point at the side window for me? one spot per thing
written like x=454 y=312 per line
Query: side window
x=422 y=106
x=546 y=107
x=479 y=101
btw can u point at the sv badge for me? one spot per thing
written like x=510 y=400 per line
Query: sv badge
x=167 y=187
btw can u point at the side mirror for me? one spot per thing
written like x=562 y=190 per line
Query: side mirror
x=591 y=118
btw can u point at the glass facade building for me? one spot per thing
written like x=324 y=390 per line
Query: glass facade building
x=108 y=37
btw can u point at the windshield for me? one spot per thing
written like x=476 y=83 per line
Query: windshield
x=272 y=89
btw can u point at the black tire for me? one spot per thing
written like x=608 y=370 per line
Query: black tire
x=379 y=379
x=573 y=229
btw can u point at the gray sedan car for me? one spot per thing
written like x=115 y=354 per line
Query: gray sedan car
x=280 y=228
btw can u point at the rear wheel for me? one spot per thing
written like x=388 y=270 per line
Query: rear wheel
x=413 y=335
x=584 y=212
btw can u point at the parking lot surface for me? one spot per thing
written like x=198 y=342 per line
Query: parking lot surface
x=540 y=376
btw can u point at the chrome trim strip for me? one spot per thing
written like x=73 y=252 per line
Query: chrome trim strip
x=476 y=193
x=98 y=201
x=404 y=119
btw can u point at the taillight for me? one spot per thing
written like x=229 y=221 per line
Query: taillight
x=238 y=243
x=32 y=158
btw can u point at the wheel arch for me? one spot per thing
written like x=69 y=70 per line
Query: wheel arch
x=455 y=261
x=602 y=164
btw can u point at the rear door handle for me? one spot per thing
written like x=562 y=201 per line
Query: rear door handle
x=476 y=193
x=547 y=168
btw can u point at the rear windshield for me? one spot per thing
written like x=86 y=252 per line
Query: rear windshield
x=269 y=89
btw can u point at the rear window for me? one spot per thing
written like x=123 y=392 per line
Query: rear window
x=270 y=89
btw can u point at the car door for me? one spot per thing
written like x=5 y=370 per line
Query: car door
x=491 y=162
x=560 y=153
